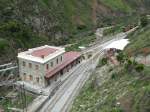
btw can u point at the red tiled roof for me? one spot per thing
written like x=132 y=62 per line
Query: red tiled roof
x=69 y=57
x=43 y=52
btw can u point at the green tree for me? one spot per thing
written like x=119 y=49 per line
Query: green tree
x=3 y=45
x=139 y=68
x=121 y=57
x=104 y=61
x=144 y=20
x=129 y=65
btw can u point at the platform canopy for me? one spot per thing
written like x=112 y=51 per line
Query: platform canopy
x=119 y=44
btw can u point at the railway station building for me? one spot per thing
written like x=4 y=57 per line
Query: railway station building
x=46 y=64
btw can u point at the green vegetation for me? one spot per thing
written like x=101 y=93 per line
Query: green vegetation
x=121 y=23
x=71 y=15
x=86 y=41
x=102 y=62
x=15 y=35
x=54 y=22
x=16 y=103
x=144 y=20
x=123 y=88
x=117 y=5
x=118 y=91
x=83 y=18
x=139 y=40
x=121 y=57
x=129 y=65
x=3 y=45
x=43 y=22
x=112 y=31
x=14 y=99
x=139 y=68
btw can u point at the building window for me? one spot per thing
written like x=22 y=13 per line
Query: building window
x=51 y=64
x=55 y=78
x=61 y=72
x=24 y=63
x=30 y=65
x=57 y=61
x=36 y=67
x=24 y=76
x=47 y=66
x=37 y=79
x=49 y=82
x=61 y=58
x=31 y=77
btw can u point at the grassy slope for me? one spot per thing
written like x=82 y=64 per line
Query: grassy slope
x=126 y=92
x=139 y=39
x=128 y=89
x=71 y=10
x=14 y=35
x=72 y=16
x=24 y=37
x=117 y=5
x=83 y=42
x=127 y=6
x=14 y=102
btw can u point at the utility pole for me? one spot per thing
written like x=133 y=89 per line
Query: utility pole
x=25 y=101
x=21 y=95
x=23 y=98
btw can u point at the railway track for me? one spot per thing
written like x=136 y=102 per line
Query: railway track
x=58 y=103
x=82 y=74
x=62 y=90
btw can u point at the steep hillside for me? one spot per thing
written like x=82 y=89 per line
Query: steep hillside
x=114 y=91
x=140 y=5
x=30 y=23
x=48 y=17
x=123 y=88
x=127 y=6
x=117 y=5
x=25 y=23
x=139 y=41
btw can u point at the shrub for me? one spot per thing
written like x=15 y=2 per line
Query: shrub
x=110 y=69
x=117 y=109
x=144 y=20
x=129 y=65
x=104 y=61
x=114 y=75
x=81 y=27
x=139 y=68
x=3 y=45
x=121 y=57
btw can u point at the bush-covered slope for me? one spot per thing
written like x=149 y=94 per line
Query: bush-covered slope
x=122 y=88
x=118 y=91
x=115 y=89
x=139 y=40
x=117 y=5
x=30 y=23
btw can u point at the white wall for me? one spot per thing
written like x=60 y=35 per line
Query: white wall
x=40 y=72
x=35 y=73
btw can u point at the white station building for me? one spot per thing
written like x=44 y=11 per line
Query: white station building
x=46 y=64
